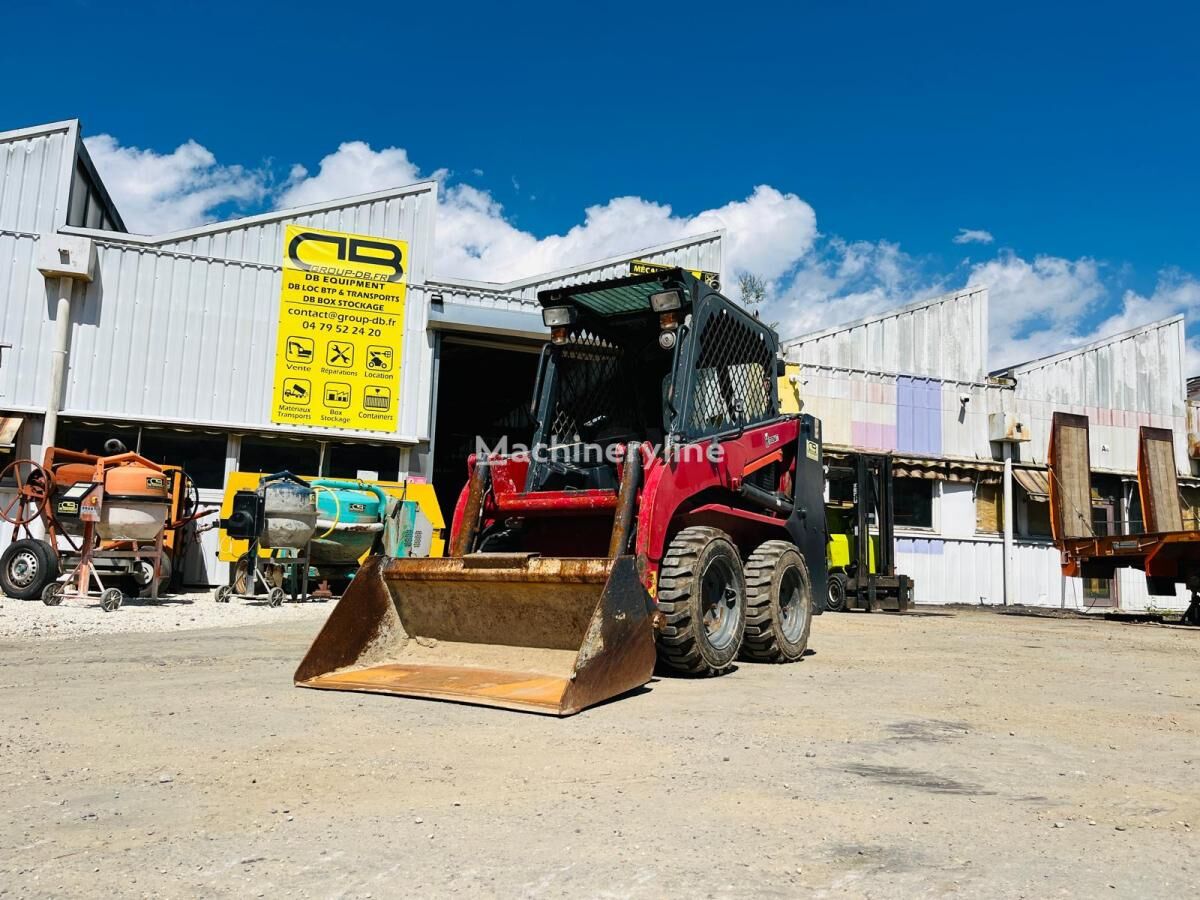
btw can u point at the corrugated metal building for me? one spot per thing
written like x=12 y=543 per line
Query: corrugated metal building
x=171 y=346
x=914 y=381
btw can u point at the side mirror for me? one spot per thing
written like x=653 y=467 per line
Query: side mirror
x=780 y=367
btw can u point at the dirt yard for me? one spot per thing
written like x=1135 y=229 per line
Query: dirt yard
x=961 y=753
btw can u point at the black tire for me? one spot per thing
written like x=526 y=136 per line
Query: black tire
x=26 y=567
x=702 y=595
x=779 y=601
x=143 y=568
x=244 y=584
x=836 y=601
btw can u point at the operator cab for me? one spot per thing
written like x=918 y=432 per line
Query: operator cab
x=618 y=351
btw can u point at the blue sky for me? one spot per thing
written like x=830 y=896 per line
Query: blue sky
x=1067 y=132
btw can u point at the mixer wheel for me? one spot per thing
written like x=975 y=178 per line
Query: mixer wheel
x=52 y=594
x=275 y=596
x=111 y=599
x=26 y=567
x=224 y=592
x=143 y=571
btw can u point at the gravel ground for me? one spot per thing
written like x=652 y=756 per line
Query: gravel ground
x=33 y=619
x=957 y=754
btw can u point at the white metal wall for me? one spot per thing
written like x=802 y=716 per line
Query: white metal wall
x=971 y=570
x=945 y=337
x=171 y=331
x=35 y=177
x=1123 y=382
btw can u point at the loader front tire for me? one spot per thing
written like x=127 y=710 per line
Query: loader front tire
x=779 y=602
x=702 y=596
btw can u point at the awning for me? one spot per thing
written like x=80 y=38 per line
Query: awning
x=9 y=426
x=1036 y=483
x=956 y=470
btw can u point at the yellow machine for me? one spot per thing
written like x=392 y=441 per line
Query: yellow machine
x=360 y=525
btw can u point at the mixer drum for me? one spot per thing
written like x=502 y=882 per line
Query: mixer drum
x=290 y=509
x=350 y=520
x=136 y=501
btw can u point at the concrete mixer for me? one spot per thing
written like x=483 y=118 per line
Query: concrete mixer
x=124 y=502
x=35 y=558
x=280 y=516
x=355 y=518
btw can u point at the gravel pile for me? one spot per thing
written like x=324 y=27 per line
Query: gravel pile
x=33 y=620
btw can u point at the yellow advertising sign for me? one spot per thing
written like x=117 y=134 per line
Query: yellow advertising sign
x=341 y=330
x=640 y=267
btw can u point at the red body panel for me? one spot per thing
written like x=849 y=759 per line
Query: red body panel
x=672 y=496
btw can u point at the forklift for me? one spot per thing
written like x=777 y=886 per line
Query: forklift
x=861 y=545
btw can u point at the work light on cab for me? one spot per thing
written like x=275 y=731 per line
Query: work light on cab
x=666 y=300
x=558 y=319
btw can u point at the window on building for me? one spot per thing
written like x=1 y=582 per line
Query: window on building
x=1135 y=524
x=347 y=460
x=912 y=500
x=263 y=454
x=1037 y=517
x=200 y=454
x=89 y=437
x=1189 y=497
x=989 y=508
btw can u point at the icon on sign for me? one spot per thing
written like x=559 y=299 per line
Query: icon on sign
x=339 y=354
x=299 y=349
x=379 y=359
x=337 y=394
x=296 y=390
x=375 y=397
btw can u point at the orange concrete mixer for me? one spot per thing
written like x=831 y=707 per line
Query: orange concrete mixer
x=124 y=502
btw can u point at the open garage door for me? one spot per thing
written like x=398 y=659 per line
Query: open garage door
x=484 y=390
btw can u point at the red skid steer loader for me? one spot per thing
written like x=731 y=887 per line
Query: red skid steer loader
x=666 y=509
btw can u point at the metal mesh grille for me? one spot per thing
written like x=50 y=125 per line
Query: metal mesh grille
x=589 y=386
x=733 y=377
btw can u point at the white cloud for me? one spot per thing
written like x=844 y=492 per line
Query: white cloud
x=160 y=192
x=973 y=236
x=354 y=168
x=841 y=281
x=1035 y=307
x=814 y=281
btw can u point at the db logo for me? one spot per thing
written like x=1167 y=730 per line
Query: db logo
x=350 y=250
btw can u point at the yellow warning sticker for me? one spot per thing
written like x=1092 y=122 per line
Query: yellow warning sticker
x=811 y=450
x=341 y=330
x=641 y=267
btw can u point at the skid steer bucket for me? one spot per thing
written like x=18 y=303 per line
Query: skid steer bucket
x=547 y=635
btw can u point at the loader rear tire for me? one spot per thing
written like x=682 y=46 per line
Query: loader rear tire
x=779 y=602
x=702 y=596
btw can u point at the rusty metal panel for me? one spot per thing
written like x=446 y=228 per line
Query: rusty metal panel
x=534 y=634
x=1158 y=482
x=1070 y=478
